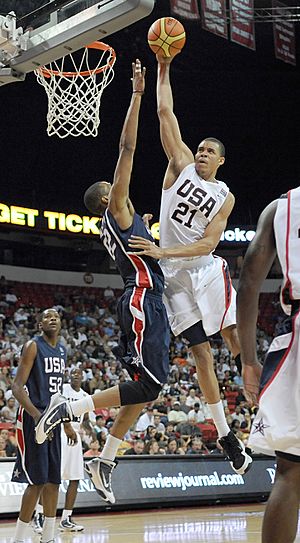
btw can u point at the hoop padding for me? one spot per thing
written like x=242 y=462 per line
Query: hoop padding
x=74 y=97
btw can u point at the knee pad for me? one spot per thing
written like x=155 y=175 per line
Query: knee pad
x=133 y=392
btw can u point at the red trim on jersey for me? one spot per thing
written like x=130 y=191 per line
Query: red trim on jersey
x=228 y=292
x=139 y=321
x=20 y=434
x=143 y=276
x=283 y=358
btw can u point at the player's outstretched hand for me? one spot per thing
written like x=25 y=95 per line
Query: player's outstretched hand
x=138 y=77
x=164 y=60
x=251 y=378
x=145 y=247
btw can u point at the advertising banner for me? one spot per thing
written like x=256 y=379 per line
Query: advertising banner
x=242 y=29
x=213 y=16
x=145 y=481
x=284 y=36
x=187 y=9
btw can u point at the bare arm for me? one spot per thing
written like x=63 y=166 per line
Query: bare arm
x=179 y=155
x=203 y=247
x=119 y=203
x=258 y=261
x=25 y=365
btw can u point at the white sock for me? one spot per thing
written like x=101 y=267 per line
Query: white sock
x=217 y=411
x=20 y=530
x=82 y=406
x=38 y=509
x=66 y=513
x=48 y=529
x=110 y=448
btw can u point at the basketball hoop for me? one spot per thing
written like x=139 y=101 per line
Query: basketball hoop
x=74 y=96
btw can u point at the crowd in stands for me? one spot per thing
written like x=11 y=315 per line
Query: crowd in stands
x=178 y=422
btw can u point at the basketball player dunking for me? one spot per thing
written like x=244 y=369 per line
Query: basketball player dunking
x=275 y=429
x=40 y=374
x=199 y=296
x=144 y=349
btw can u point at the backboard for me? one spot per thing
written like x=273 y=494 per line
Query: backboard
x=59 y=27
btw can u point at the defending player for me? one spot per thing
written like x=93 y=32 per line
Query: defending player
x=144 y=349
x=199 y=296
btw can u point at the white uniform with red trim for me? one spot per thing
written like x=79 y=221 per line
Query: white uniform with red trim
x=72 y=455
x=276 y=426
x=197 y=288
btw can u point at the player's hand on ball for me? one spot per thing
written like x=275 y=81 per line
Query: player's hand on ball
x=138 y=77
x=145 y=246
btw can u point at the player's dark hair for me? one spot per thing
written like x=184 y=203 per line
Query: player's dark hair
x=219 y=143
x=92 y=197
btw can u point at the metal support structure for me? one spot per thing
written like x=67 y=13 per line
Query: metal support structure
x=56 y=39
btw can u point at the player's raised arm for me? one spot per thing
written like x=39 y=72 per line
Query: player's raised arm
x=177 y=151
x=119 y=195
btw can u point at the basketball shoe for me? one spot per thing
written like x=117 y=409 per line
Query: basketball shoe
x=58 y=411
x=99 y=471
x=37 y=523
x=68 y=525
x=234 y=449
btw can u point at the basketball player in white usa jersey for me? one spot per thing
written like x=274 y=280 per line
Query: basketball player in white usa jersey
x=276 y=427
x=199 y=296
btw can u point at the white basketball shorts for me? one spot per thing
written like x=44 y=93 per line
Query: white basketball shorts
x=276 y=426
x=71 y=459
x=196 y=293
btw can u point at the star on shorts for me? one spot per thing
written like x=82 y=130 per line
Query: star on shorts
x=17 y=473
x=260 y=427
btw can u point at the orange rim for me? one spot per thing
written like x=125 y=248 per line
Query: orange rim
x=47 y=72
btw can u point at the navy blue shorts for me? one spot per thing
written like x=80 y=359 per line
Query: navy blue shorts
x=144 y=322
x=35 y=464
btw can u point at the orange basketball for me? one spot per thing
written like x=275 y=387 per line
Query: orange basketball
x=166 y=37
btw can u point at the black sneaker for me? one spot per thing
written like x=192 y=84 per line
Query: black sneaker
x=99 y=471
x=58 y=411
x=68 y=525
x=234 y=449
x=37 y=523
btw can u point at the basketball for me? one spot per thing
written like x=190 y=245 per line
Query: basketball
x=166 y=37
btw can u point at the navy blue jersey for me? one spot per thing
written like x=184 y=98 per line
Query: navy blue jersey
x=47 y=373
x=136 y=271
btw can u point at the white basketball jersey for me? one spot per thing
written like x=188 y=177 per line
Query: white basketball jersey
x=188 y=207
x=74 y=395
x=287 y=235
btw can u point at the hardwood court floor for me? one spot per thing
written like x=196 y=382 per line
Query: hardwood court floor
x=219 y=524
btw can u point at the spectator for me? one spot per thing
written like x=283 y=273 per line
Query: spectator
x=108 y=293
x=94 y=449
x=176 y=415
x=136 y=449
x=10 y=297
x=172 y=447
x=145 y=420
x=8 y=413
x=197 y=447
x=196 y=413
x=10 y=448
x=159 y=426
x=2 y=447
x=151 y=447
x=2 y=398
x=192 y=398
x=100 y=425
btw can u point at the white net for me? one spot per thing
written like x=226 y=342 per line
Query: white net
x=74 y=97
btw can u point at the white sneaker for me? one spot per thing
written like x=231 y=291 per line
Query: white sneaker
x=68 y=525
x=58 y=411
x=99 y=471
